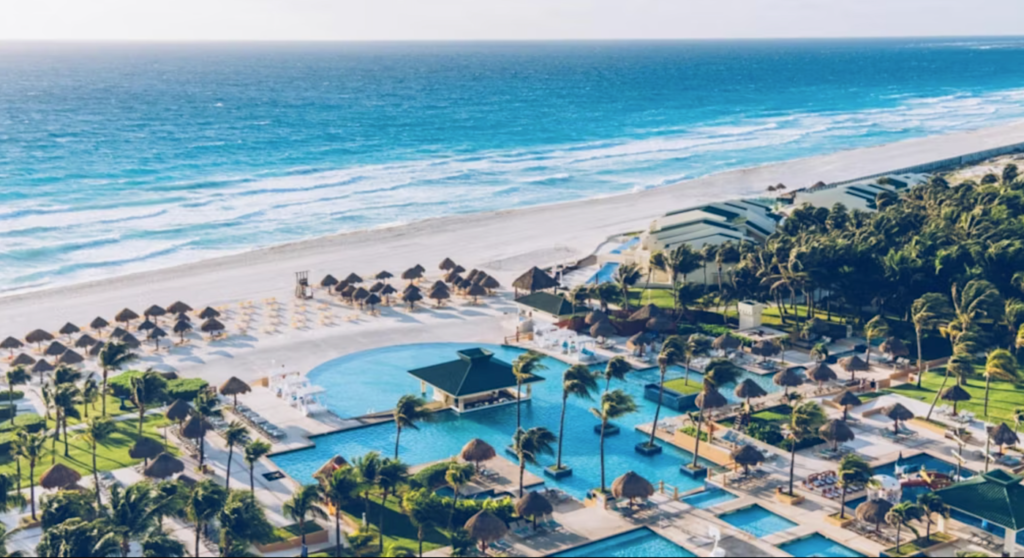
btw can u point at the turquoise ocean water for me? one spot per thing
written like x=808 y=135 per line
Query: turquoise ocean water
x=118 y=158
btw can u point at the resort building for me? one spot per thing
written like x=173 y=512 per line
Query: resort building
x=859 y=195
x=473 y=381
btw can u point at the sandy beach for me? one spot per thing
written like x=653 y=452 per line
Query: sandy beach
x=503 y=243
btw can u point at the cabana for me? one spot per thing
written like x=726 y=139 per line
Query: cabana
x=475 y=380
x=996 y=497
x=535 y=279
x=552 y=306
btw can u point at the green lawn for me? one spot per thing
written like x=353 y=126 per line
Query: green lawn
x=779 y=416
x=398 y=528
x=911 y=548
x=680 y=385
x=110 y=456
x=1004 y=397
x=659 y=297
x=113 y=410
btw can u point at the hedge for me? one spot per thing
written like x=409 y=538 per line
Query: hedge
x=5 y=396
x=431 y=477
x=7 y=411
x=181 y=388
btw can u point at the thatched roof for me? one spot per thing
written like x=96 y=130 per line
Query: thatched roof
x=99 y=323
x=183 y=317
x=118 y=333
x=439 y=285
x=446 y=264
x=646 y=312
x=155 y=311
x=787 y=378
x=85 y=340
x=489 y=282
x=486 y=528
x=377 y=287
x=894 y=347
x=473 y=273
x=41 y=367
x=836 y=430
x=710 y=398
x=360 y=293
x=412 y=296
x=164 y=466
x=533 y=504
x=177 y=411
x=372 y=300
x=69 y=328
x=535 y=279
x=23 y=360
x=749 y=389
x=327 y=469
x=419 y=268
x=821 y=372
x=353 y=278
x=71 y=357
x=234 y=386
x=1003 y=435
x=453 y=277
x=145 y=448
x=96 y=349
x=340 y=286
x=659 y=323
x=195 y=427
x=412 y=273
x=632 y=486
x=478 y=451
x=476 y=290
x=873 y=511
x=208 y=313
x=348 y=290
x=726 y=342
x=594 y=317
x=182 y=326
x=459 y=269
x=747 y=455
x=130 y=340
x=765 y=348
x=604 y=328
x=853 y=364
x=388 y=290
x=637 y=339
x=55 y=349
x=383 y=275
x=955 y=393
x=146 y=325
x=328 y=281
x=179 y=307
x=59 y=476
x=38 y=336
x=126 y=315
x=898 y=412
x=847 y=399
x=211 y=325
x=11 y=343
x=439 y=294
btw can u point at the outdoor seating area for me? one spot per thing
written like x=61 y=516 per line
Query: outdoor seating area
x=826 y=484
x=257 y=422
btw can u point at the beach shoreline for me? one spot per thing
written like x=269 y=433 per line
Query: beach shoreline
x=504 y=242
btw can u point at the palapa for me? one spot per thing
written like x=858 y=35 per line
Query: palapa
x=85 y=341
x=873 y=511
x=131 y=341
x=846 y=400
x=412 y=274
x=749 y=389
x=439 y=285
x=59 y=476
x=211 y=326
x=179 y=307
x=154 y=311
x=1003 y=435
x=764 y=348
x=327 y=469
x=10 y=344
x=446 y=264
x=787 y=378
x=328 y=281
x=55 y=348
x=234 y=387
x=747 y=456
x=604 y=328
x=853 y=364
x=39 y=336
x=183 y=318
x=473 y=273
x=126 y=315
x=99 y=324
x=645 y=312
x=726 y=342
x=894 y=347
x=535 y=279
x=633 y=487
x=372 y=300
x=388 y=290
x=353 y=279
x=377 y=287
x=411 y=298
x=955 y=394
x=638 y=341
x=836 y=431
x=146 y=448
x=164 y=466
x=477 y=451
x=340 y=287
x=69 y=329
x=459 y=269
x=659 y=323
x=383 y=275
x=439 y=294
x=209 y=313
x=348 y=291
x=419 y=268
x=178 y=411
x=533 y=506
x=476 y=291
x=42 y=367
x=897 y=413
x=821 y=373
x=118 y=333
x=146 y=326
x=23 y=360
x=71 y=357
x=195 y=427
x=96 y=349
x=710 y=398
x=360 y=294
x=490 y=283
x=486 y=528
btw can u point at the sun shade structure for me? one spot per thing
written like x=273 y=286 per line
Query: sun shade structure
x=897 y=413
x=787 y=378
x=360 y=294
x=353 y=279
x=154 y=311
x=412 y=274
x=955 y=394
x=749 y=389
x=475 y=375
x=476 y=291
x=96 y=349
x=55 y=348
x=211 y=326
x=836 y=431
x=23 y=360
x=853 y=364
x=646 y=312
x=873 y=511
x=846 y=400
x=477 y=451
x=603 y=328
x=71 y=357
x=747 y=456
x=821 y=373
x=660 y=323
x=179 y=307
x=535 y=279
x=208 y=313
x=118 y=333
x=996 y=497
x=377 y=287
x=69 y=329
x=234 y=387
x=146 y=326
x=10 y=344
x=328 y=281
x=348 y=291
x=637 y=341
x=490 y=283
x=195 y=427
x=632 y=487
x=446 y=264
x=42 y=367
x=372 y=300
x=327 y=469
x=130 y=340
x=178 y=411
x=145 y=448
x=764 y=348
x=486 y=528
x=126 y=316
x=85 y=341
x=726 y=342
x=383 y=275
x=99 y=324
x=894 y=347
x=594 y=317
x=533 y=506
x=164 y=466
x=182 y=327
x=59 y=476
x=710 y=398
x=1003 y=435
x=39 y=336
x=412 y=297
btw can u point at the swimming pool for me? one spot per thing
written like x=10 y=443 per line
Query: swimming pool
x=910 y=465
x=757 y=521
x=377 y=378
x=606 y=274
x=642 y=542
x=817 y=545
x=626 y=245
x=710 y=497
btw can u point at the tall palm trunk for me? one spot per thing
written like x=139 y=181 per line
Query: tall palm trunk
x=899 y=531
x=96 y=478
x=455 y=505
x=696 y=446
x=231 y=455
x=32 y=487
x=842 y=503
x=398 y=437
x=103 y=396
x=519 y=403
x=604 y=423
x=302 y=528
x=383 y=508
x=686 y=373
x=988 y=381
x=17 y=463
x=252 y=479
x=561 y=431
x=522 y=473
x=199 y=529
x=792 y=466
x=64 y=424
x=657 y=410
x=920 y=358
x=935 y=399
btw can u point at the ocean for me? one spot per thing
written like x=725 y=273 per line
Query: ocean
x=121 y=158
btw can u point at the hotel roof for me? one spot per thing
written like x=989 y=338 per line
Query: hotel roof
x=475 y=371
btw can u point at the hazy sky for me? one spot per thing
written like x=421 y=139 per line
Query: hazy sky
x=500 y=19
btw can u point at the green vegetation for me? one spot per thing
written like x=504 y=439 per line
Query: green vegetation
x=679 y=385
x=917 y=545
x=181 y=388
x=1004 y=397
x=291 y=531
x=692 y=432
x=113 y=410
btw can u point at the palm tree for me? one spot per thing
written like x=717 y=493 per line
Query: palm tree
x=819 y=352
x=614 y=405
x=204 y=406
x=242 y=523
x=17 y=452
x=457 y=476
x=97 y=431
x=681 y=260
x=90 y=394
x=578 y=381
x=804 y=423
x=616 y=369
x=875 y=328
x=340 y=491
x=130 y=514
x=853 y=470
x=424 y=509
x=696 y=345
x=254 y=450
x=707 y=255
x=1003 y=366
x=16 y=376
x=203 y=504
x=391 y=476
x=32 y=447
x=407 y=413
x=149 y=387
x=113 y=356
x=927 y=312
x=931 y=504
x=961 y=366
x=368 y=467
x=625 y=277
x=524 y=368
x=4 y=534
x=303 y=504
x=670 y=353
x=529 y=445
x=726 y=254
x=66 y=398
x=159 y=543
x=234 y=435
x=901 y=515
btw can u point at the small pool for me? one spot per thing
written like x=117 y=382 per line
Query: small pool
x=642 y=542
x=604 y=275
x=710 y=497
x=818 y=545
x=910 y=465
x=626 y=245
x=757 y=521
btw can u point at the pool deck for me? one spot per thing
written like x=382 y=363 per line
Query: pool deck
x=507 y=480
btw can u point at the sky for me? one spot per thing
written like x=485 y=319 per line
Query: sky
x=362 y=20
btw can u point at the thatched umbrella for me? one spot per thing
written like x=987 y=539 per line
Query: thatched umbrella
x=473 y=273
x=955 y=394
x=177 y=411
x=383 y=276
x=179 y=307
x=71 y=357
x=419 y=268
x=633 y=487
x=646 y=312
x=145 y=449
x=38 y=337
x=328 y=281
x=69 y=329
x=96 y=349
x=594 y=317
x=489 y=283
x=439 y=294
x=749 y=389
x=126 y=316
x=897 y=413
x=477 y=451
x=604 y=328
x=411 y=298
x=130 y=340
x=55 y=349
x=211 y=326
x=726 y=342
x=352 y=279
x=387 y=291
x=787 y=378
x=164 y=466
x=464 y=284
x=764 y=349
x=181 y=328
x=486 y=528
x=1003 y=435
x=747 y=456
x=327 y=469
x=183 y=318
x=10 y=344
x=146 y=326
x=348 y=291
x=340 y=287
x=638 y=342
x=853 y=364
x=837 y=432
x=377 y=287
x=660 y=324
x=41 y=367
x=439 y=285
x=23 y=360
x=894 y=347
x=99 y=324
x=446 y=264
x=412 y=274
x=195 y=428
x=535 y=279
x=155 y=335
x=360 y=294
x=476 y=291
x=233 y=387
x=372 y=300
x=59 y=476
x=821 y=373
x=847 y=399
x=533 y=506
x=874 y=511
x=154 y=311
x=710 y=398
x=85 y=341
x=411 y=288
x=209 y=313
x=459 y=269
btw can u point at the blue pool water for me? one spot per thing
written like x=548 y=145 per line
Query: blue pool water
x=604 y=275
x=376 y=379
x=626 y=245
x=817 y=545
x=641 y=542
x=709 y=498
x=757 y=521
x=728 y=390
x=910 y=465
